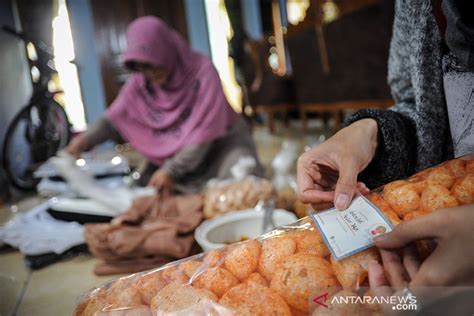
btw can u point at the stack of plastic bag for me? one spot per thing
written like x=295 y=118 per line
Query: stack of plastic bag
x=111 y=194
x=36 y=232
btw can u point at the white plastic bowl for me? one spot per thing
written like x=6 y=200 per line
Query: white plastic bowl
x=235 y=226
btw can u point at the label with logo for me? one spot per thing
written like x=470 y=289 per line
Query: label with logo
x=352 y=230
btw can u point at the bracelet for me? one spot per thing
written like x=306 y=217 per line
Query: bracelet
x=409 y=297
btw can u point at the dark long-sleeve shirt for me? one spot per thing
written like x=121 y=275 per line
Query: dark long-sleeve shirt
x=414 y=134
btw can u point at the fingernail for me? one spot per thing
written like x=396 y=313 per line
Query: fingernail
x=342 y=201
x=379 y=237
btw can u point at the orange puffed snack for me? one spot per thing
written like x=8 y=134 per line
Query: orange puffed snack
x=273 y=251
x=352 y=271
x=436 y=196
x=95 y=303
x=447 y=185
x=129 y=297
x=124 y=293
x=310 y=242
x=179 y=297
x=216 y=280
x=457 y=167
x=174 y=273
x=242 y=259
x=301 y=276
x=254 y=299
x=214 y=257
x=470 y=166
x=190 y=267
x=257 y=278
x=403 y=199
x=463 y=189
x=442 y=175
x=378 y=201
x=149 y=285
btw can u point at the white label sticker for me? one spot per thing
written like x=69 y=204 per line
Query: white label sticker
x=352 y=230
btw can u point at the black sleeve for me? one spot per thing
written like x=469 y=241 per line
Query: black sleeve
x=396 y=150
x=187 y=159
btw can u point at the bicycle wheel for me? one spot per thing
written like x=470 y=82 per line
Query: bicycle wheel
x=35 y=134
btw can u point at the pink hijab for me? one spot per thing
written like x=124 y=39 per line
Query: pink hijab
x=190 y=109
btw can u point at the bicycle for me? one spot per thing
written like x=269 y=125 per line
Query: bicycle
x=38 y=131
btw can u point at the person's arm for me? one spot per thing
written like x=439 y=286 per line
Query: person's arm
x=396 y=148
x=459 y=36
x=379 y=146
x=186 y=160
x=378 y=143
x=414 y=134
x=397 y=138
x=99 y=132
x=102 y=131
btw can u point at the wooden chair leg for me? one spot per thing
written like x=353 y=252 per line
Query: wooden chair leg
x=337 y=119
x=326 y=116
x=341 y=117
x=304 y=120
x=286 y=118
x=271 y=121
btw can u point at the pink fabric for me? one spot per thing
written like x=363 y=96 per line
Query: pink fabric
x=190 y=109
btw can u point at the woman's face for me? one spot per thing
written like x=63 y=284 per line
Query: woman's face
x=156 y=74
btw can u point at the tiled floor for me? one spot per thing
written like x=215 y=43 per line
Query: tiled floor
x=54 y=290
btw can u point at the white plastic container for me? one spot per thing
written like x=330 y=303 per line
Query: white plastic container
x=236 y=226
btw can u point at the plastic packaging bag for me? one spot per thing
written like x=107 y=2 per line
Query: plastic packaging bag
x=242 y=191
x=284 y=174
x=283 y=166
x=36 y=232
x=234 y=196
x=282 y=272
x=117 y=199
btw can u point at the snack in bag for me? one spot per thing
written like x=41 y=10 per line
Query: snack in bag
x=239 y=195
x=281 y=272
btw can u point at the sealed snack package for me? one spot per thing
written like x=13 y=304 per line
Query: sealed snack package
x=285 y=271
x=284 y=174
x=234 y=196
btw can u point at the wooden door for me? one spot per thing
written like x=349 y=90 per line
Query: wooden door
x=111 y=18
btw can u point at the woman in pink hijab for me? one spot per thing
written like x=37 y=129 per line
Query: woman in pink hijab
x=173 y=111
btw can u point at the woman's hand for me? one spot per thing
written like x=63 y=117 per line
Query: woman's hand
x=77 y=146
x=450 y=265
x=329 y=171
x=452 y=262
x=162 y=181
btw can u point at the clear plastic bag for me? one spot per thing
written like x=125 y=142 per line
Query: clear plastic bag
x=234 y=196
x=284 y=174
x=282 y=272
